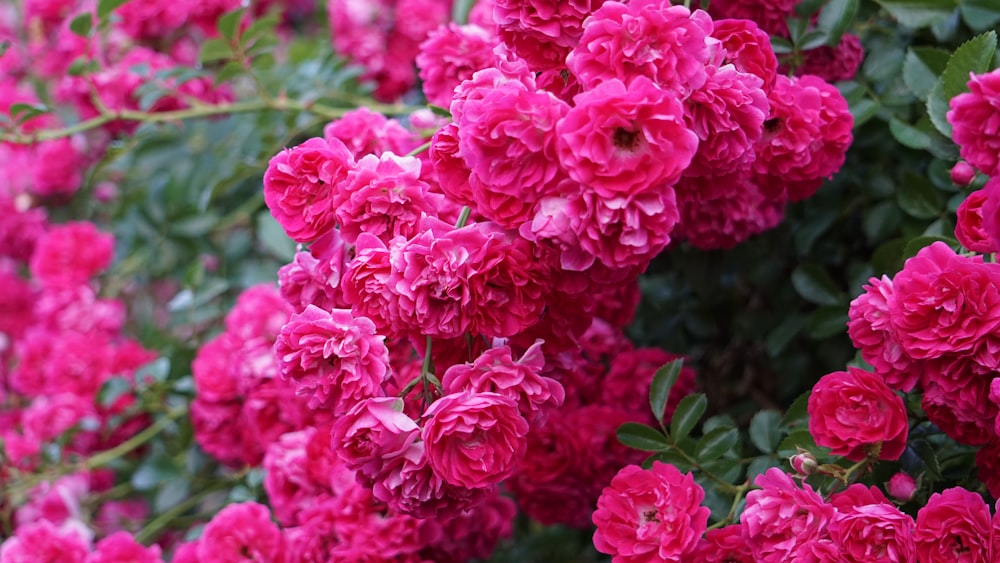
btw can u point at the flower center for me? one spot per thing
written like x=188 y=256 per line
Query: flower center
x=625 y=139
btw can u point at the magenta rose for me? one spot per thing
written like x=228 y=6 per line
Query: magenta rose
x=241 y=532
x=474 y=440
x=970 y=229
x=856 y=415
x=650 y=515
x=875 y=531
x=872 y=333
x=975 y=117
x=300 y=184
x=374 y=431
x=945 y=303
x=954 y=526
x=782 y=520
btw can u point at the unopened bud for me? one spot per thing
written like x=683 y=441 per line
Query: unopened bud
x=901 y=486
x=962 y=173
x=804 y=463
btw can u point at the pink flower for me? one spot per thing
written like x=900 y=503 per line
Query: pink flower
x=770 y=15
x=451 y=54
x=334 y=358
x=872 y=333
x=239 y=532
x=474 y=533
x=781 y=518
x=59 y=167
x=291 y=489
x=857 y=415
x=366 y=132
x=650 y=38
x=383 y=196
x=372 y=433
x=875 y=531
x=833 y=64
x=650 y=515
x=712 y=221
x=954 y=525
x=121 y=546
x=806 y=135
x=962 y=174
x=957 y=398
x=723 y=545
x=449 y=167
x=727 y=114
x=259 y=313
x=747 y=47
x=409 y=485
x=945 y=303
x=300 y=185
x=474 y=440
x=495 y=371
x=214 y=377
x=507 y=138
x=71 y=253
x=975 y=120
x=217 y=430
x=901 y=486
x=991 y=210
x=43 y=541
x=623 y=140
x=542 y=31
x=366 y=284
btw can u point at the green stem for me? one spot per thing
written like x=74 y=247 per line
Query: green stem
x=107 y=456
x=419 y=149
x=152 y=530
x=463 y=218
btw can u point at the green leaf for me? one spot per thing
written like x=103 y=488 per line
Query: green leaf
x=797 y=413
x=112 y=389
x=979 y=15
x=663 y=382
x=815 y=285
x=759 y=465
x=765 y=430
x=105 y=7
x=229 y=23
x=915 y=245
x=973 y=56
x=918 y=197
x=215 y=50
x=926 y=452
x=259 y=28
x=922 y=67
x=22 y=112
x=918 y=13
x=716 y=443
x=642 y=437
x=796 y=439
x=155 y=470
x=881 y=220
x=908 y=135
x=687 y=414
x=82 y=24
x=779 y=338
x=828 y=321
x=718 y=421
x=781 y=46
x=836 y=17
x=272 y=237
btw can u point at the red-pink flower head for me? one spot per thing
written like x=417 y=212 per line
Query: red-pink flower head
x=300 y=185
x=872 y=333
x=954 y=525
x=542 y=31
x=991 y=210
x=868 y=527
x=451 y=54
x=806 y=135
x=771 y=15
x=651 y=38
x=945 y=303
x=723 y=545
x=122 y=546
x=334 y=358
x=650 y=515
x=71 y=253
x=857 y=415
x=240 y=532
x=496 y=371
x=474 y=440
x=957 y=398
x=833 y=64
x=623 y=140
x=747 y=47
x=373 y=432
x=975 y=120
x=970 y=229
x=366 y=132
x=782 y=518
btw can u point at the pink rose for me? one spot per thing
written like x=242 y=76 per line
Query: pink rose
x=650 y=515
x=970 y=229
x=372 y=433
x=875 y=531
x=71 y=253
x=781 y=519
x=901 y=486
x=857 y=415
x=474 y=440
x=240 y=532
x=121 y=546
x=747 y=47
x=300 y=185
x=975 y=118
x=723 y=545
x=872 y=333
x=954 y=525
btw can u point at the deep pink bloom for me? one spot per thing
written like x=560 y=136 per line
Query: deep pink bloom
x=214 y=377
x=969 y=229
x=954 y=525
x=872 y=333
x=473 y=534
x=727 y=114
x=711 y=220
x=747 y=47
x=474 y=440
x=507 y=138
x=450 y=168
x=44 y=541
x=71 y=253
x=957 y=398
x=259 y=313
x=383 y=196
x=217 y=430
x=239 y=532
x=723 y=545
x=366 y=284
x=975 y=120
x=875 y=531
x=991 y=210
x=624 y=140
x=304 y=282
x=291 y=489
x=300 y=185
x=59 y=167
x=782 y=518
x=121 y=546
x=650 y=38
x=542 y=31
x=366 y=132
x=372 y=433
x=857 y=415
x=806 y=135
x=901 y=486
x=833 y=64
x=650 y=515
x=495 y=371
x=962 y=174
x=334 y=358
x=945 y=303
x=770 y=15
x=451 y=54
